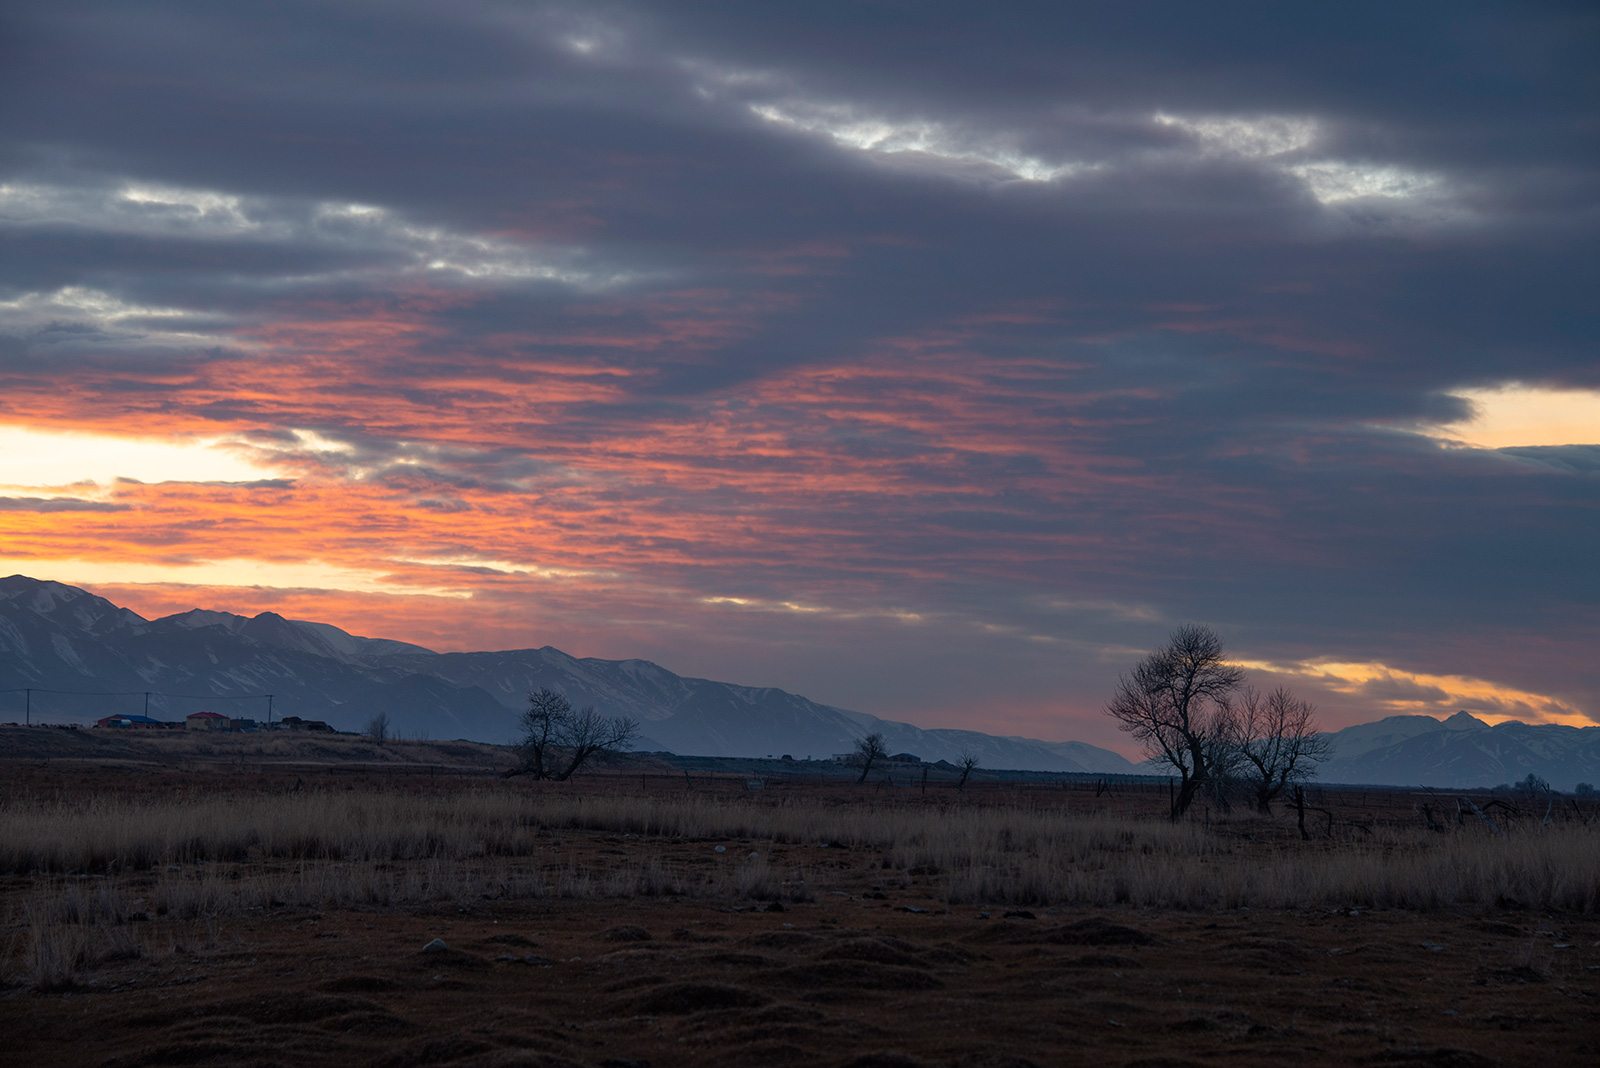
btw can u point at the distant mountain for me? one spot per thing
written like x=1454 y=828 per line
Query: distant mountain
x=1462 y=751
x=54 y=636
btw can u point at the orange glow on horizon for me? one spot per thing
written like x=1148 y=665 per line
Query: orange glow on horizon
x=1400 y=692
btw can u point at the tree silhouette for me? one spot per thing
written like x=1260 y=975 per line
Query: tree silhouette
x=1278 y=743
x=869 y=750
x=966 y=762
x=1176 y=703
x=557 y=739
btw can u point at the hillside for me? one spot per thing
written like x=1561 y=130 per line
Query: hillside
x=55 y=636
x=1462 y=751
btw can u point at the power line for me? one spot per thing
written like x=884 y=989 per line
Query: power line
x=147 y=694
x=138 y=693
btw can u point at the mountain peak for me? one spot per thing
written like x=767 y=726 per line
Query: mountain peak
x=203 y=617
x=1463 y=721
x=69 y=605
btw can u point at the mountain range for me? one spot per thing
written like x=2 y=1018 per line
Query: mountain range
x=1463 y=750
x=55 y=636
x=58 y=637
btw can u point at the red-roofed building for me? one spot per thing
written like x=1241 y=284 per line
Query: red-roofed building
x=207 y=721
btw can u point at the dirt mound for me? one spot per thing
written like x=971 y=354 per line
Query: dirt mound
x=989 y=1059
x=478 y=1053
x=781 y=939
x=448 y=960
x=361 y=984
x=836 y=975
x=680 y=999
x=1268 y=950
x=1103 y=960
x=730 y=959
x=368 y=1023
x=947 y=954
x=450 y=1050
x=788 y=1014
x=1441 y=1057
x=884 y=1060
x=224 y=1053
x=268 y=1008
x=625 y=933
x=510 y=940
x=1007 y=934
x=875 y=950
x=1094 y=931
x=1097 y=931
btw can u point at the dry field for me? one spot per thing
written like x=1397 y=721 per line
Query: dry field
x=157 y=916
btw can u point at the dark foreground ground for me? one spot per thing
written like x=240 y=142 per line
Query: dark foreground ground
x=848 y=979
x=874 y=971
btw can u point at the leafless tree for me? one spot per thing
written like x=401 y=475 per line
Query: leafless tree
x=966 y=762
x=1278 y=745
x=542 y=721
x=870 y=750
x=1175 y=702
x=557 y=739
x=1225 y=755
x=586 y=732
x=378 y=728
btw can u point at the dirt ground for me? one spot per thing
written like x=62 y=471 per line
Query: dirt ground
x=873 y=971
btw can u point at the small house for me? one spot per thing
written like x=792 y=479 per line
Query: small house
x=132 y=723
x=207 y=721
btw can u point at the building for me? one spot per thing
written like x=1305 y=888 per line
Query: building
x=134 y=723
x=295 y=723
x=207 y=721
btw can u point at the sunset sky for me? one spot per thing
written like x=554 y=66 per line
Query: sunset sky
x=931 y=360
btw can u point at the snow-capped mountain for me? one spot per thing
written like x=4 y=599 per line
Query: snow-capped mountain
x=54 y=636
x=1462 y=751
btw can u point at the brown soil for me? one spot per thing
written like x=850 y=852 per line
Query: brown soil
x=871 y=973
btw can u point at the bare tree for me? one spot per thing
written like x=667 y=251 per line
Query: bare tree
x=556 y=739
x=586 y=732
x=869 y=750
x=1176 y=703
x=1278 y=743
x=1225 y=755
x=966 y=762
x=541 y=727
x=378 y=728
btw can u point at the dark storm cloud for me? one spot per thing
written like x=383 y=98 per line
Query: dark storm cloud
x=1154 y=294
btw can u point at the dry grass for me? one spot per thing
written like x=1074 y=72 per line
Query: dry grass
x=394 y=848
x=194 y=861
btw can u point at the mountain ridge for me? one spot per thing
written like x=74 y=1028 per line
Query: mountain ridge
x=1462 y=751
x=51 y=633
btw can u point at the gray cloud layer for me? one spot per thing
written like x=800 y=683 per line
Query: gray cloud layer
x=1241 y=250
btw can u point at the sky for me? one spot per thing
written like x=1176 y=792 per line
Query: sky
x=933 y=360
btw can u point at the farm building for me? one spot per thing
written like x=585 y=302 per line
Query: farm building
x=207 y=721
x=134 y=723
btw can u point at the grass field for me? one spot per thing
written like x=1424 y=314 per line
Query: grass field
x=118 y=882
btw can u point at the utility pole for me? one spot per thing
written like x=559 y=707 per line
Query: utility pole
x=28 y=705
x=269 y=710
x=147 y=704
